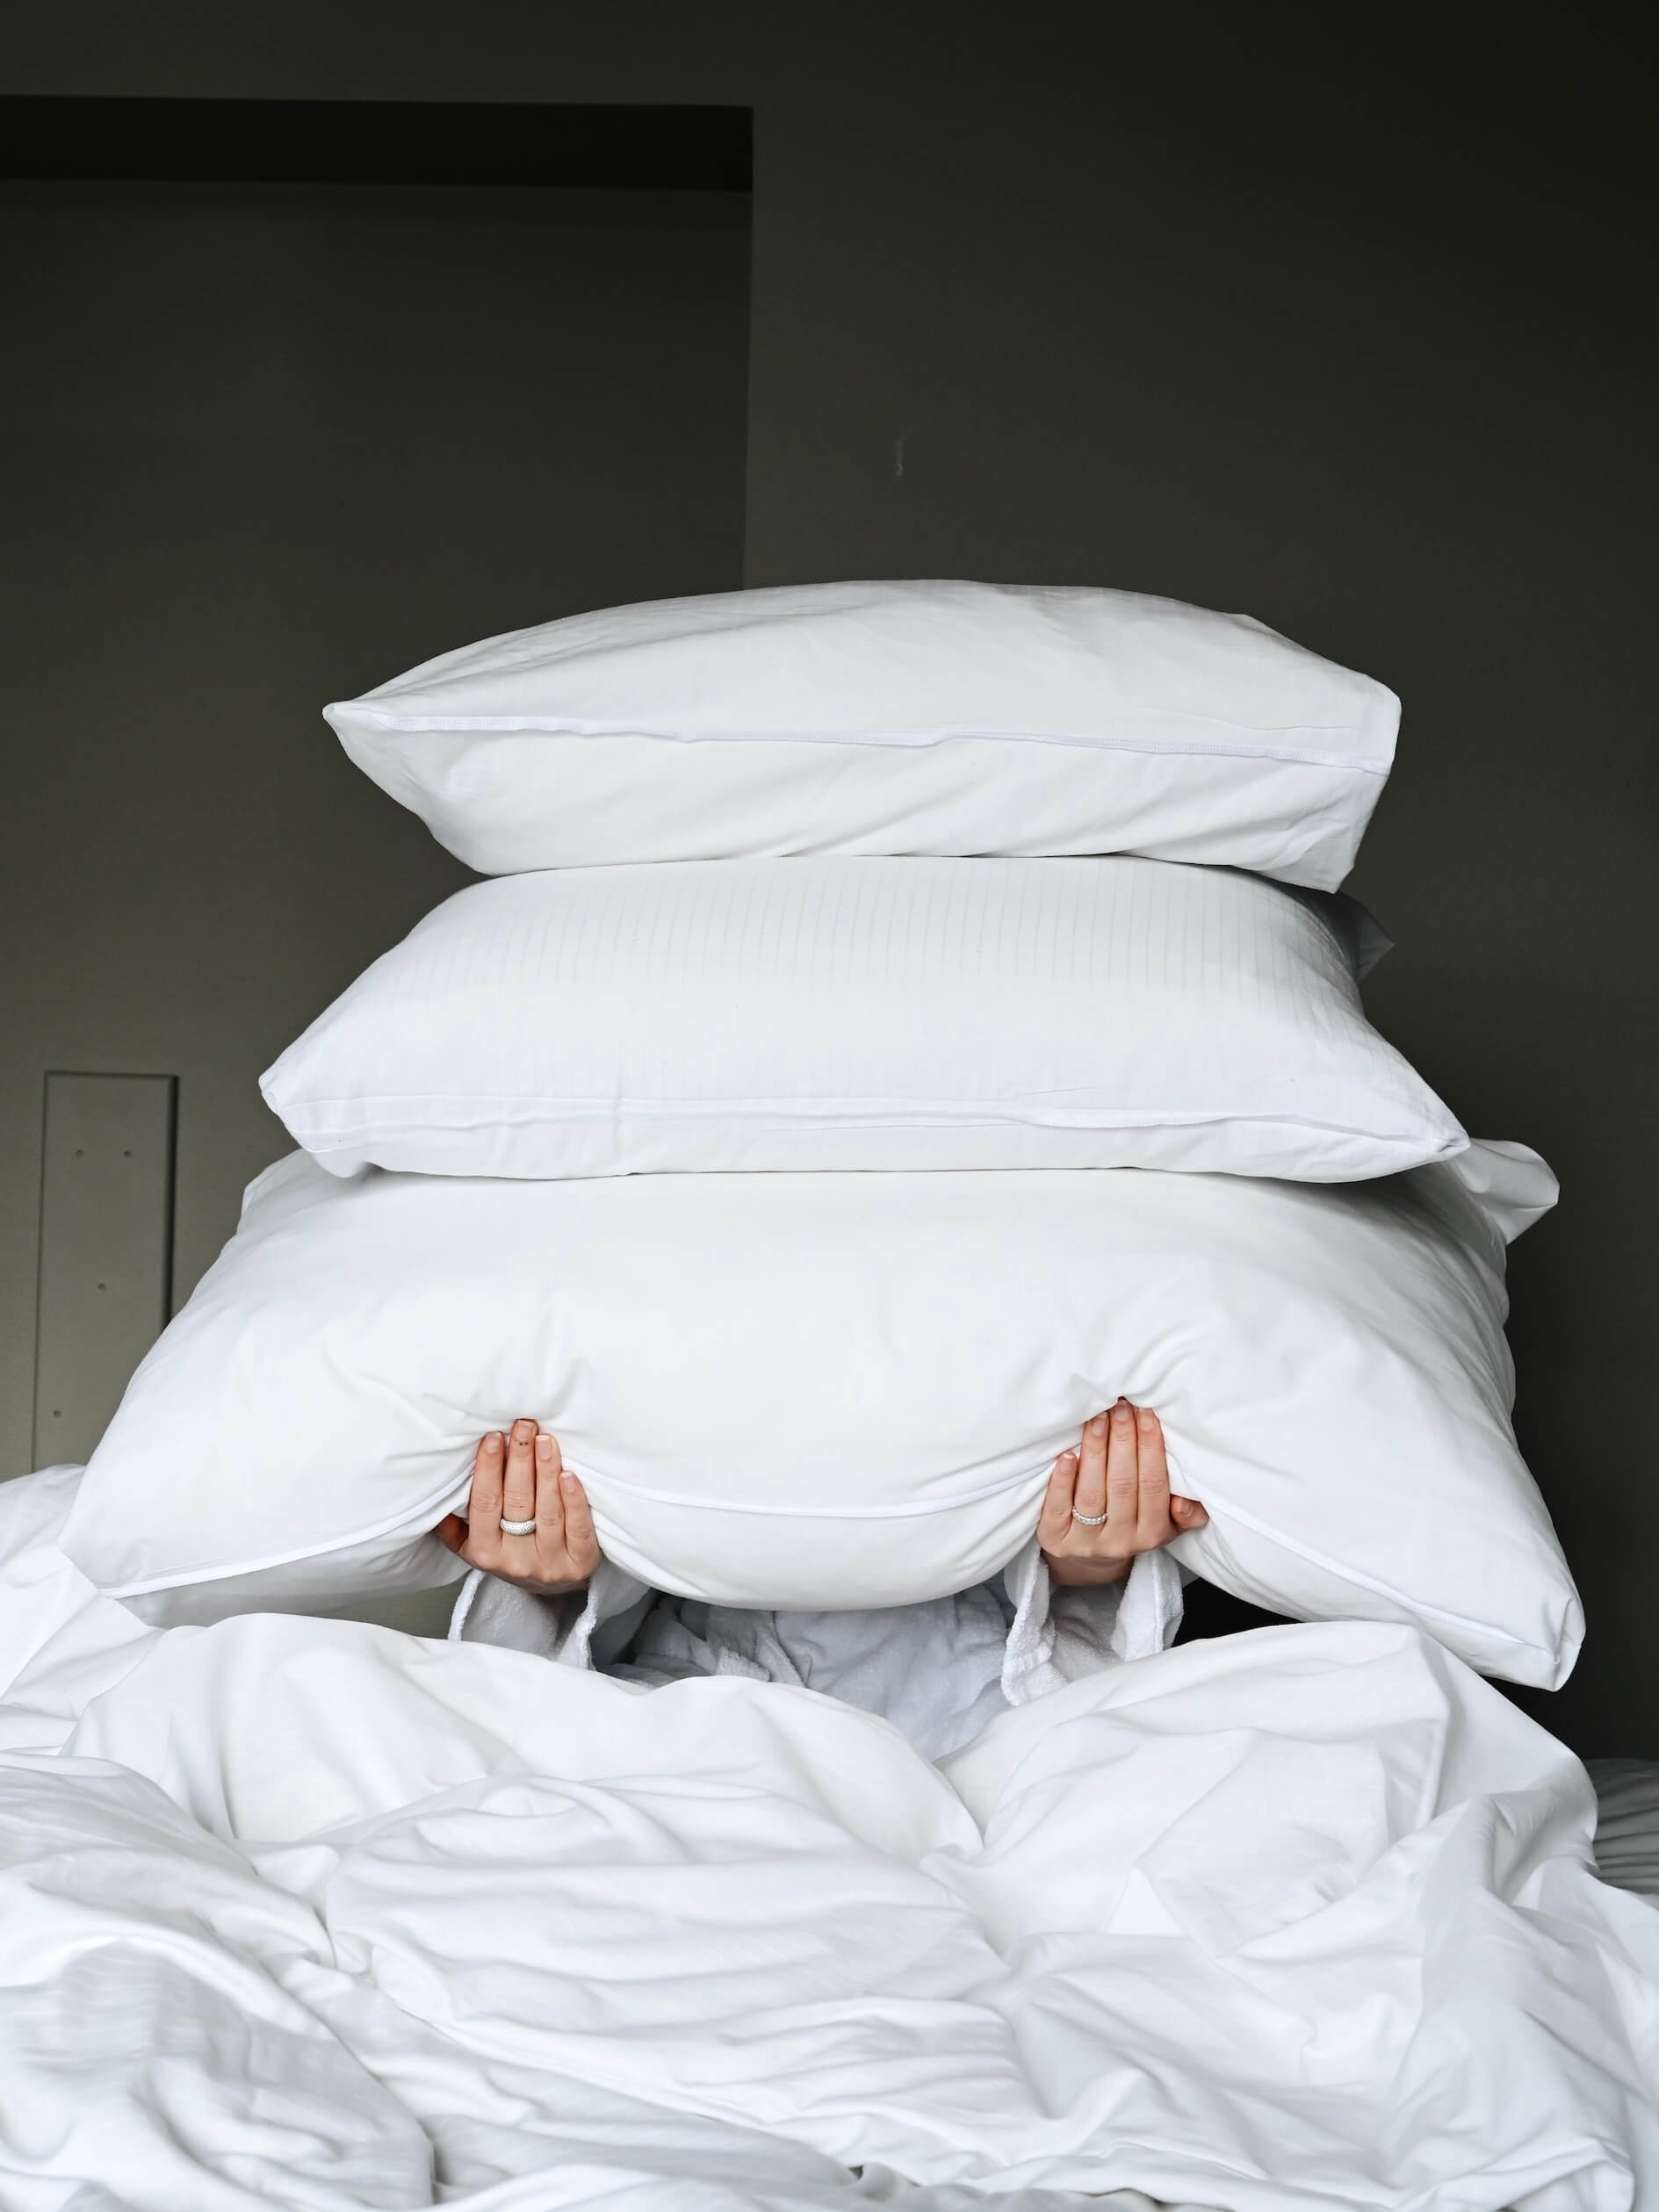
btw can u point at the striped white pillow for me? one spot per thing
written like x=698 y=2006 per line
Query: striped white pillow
x=864 y=1014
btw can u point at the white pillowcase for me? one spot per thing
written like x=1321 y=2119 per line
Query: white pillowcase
x=864 y=1014
x=832 y=1390
x=886 y=717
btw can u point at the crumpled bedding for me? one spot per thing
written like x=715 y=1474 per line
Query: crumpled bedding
x=315 y=1914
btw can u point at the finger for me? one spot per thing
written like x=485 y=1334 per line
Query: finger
x=1054 y=1523
x=518 y=1483
x=1187 y=1513
x=1091 y=1490
x=581 y=1543
x=1153 y=1471
x=484 y=1502
x=452 y=1531
x=1122 y=1481
x=550 y=1507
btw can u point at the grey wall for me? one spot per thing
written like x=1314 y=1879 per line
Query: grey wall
x=1338 y=316
x=266 y=447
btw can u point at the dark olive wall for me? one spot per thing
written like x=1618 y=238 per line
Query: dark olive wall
x=1151 y=309
x=1339 y=316
x=265 y=447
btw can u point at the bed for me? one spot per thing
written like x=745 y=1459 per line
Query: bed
x=316 y=1913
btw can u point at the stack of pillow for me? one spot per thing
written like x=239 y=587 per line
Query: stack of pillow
x=902 y=1018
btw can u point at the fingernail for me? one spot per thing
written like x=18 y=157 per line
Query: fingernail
x=523 y=1429
x=1120 y=1411
x=1147 y=1420
x=544 y=1447
x=1097 y=1425
x=493 y=1442
x=568 y=1479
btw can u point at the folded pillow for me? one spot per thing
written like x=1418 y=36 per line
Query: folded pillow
x=864 y=1014
x=844 y=1390
x=886 y=717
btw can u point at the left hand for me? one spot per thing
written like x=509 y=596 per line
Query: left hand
x=1118 y=1477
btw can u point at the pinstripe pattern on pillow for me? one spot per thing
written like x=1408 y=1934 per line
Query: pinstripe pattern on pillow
x=863 y=1014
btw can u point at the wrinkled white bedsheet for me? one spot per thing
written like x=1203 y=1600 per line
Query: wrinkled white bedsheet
x=313 y=1914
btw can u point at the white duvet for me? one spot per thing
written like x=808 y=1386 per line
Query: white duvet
x=310 y=1913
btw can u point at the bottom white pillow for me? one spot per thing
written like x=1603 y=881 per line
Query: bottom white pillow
x=845 y=1389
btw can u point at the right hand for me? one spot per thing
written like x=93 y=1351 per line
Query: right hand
x=521 y=1477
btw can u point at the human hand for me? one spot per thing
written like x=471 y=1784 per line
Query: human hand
x=1118 y=1474
x=522 y=1478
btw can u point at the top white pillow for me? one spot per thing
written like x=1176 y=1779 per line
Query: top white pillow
x=948 y=719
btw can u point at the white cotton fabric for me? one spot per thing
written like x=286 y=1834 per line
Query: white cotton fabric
x=62 y=1644
x=311 y=1915
x=725 y=1016
x=1328 y=1361
x=925 y=718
